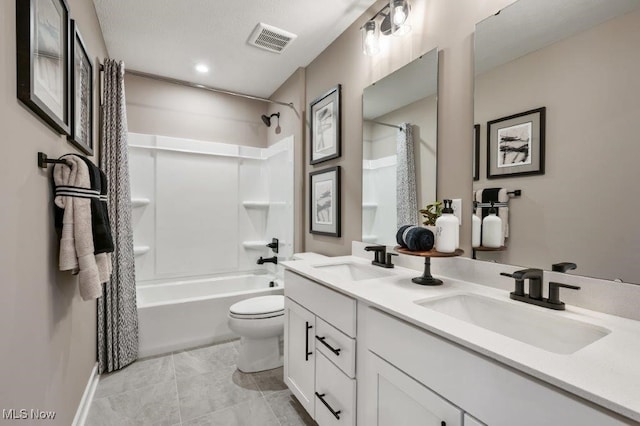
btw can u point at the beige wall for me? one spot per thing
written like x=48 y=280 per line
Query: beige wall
x=47 y=333
x=448 y=25
x=584 y=208
x=158 y=108
x=291 y=123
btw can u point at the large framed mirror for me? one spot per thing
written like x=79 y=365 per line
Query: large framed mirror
x=580 y=61
x=399 y=110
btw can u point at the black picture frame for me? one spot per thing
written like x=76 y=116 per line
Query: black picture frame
x=515 y=144
x=43 y=60
x=476 y=152
x=325 y=127
x=81 y=126
x=327 y=219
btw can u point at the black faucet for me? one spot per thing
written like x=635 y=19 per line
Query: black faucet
x=273 y=259
x=274 y=244
x=382 y=258
x=535 y=289
x=563 y=266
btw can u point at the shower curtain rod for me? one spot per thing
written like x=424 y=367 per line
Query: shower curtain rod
x=384 y=124
x=202 y=86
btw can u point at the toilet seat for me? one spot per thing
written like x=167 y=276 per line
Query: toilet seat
x=258 y=307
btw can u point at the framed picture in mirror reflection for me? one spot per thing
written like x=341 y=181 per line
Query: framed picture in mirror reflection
x=325 y=126
x=324 y=202
x=515 y=144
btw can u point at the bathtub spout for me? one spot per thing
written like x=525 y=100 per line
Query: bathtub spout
x=273 y=259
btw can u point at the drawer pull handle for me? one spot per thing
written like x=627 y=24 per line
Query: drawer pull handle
x=336 y=414
x=306 y=341
x=331 y=348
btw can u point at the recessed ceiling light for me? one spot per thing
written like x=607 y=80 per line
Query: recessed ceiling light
x=202 y=68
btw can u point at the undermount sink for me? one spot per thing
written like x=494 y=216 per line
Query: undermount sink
x=543 y=330
x=355 y=271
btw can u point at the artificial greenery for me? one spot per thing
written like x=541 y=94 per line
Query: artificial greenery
x=432 y=212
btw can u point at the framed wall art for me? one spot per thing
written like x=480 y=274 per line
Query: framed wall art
x=42 y=50
x=81 y=94
x=324 y=201
x=325 y=133
x=476 y=152
x=515 y=145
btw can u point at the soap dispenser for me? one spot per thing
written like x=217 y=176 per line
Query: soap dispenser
x=476 y=227
x=447 y=230
x=492 y=229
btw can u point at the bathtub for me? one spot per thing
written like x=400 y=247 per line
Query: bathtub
x=184 y=314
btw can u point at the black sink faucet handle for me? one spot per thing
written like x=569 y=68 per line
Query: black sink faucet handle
x=380 y=252
x=519 y=290
x=554 y=292
x=389 y=257
x=563 y=266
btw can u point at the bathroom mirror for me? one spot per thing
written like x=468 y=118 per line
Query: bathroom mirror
x=406 y=97
x=580 y=60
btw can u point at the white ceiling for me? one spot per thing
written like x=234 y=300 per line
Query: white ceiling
x=168 y=37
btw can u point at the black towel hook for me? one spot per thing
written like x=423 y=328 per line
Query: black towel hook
x=43 y=161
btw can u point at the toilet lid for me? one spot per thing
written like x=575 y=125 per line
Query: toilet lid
x=258 y=306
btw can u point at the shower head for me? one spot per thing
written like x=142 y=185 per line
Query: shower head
x=266 y=119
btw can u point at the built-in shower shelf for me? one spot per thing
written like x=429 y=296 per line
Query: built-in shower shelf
x=140 y=250
x=369 y=238
x=139 y=202
x=369 y=206
x=255 y=245
x=256 y=204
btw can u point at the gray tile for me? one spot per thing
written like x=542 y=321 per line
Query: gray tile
x=288 y=410
x=206 y=393
x=152 y=405
x=270 y=380
x=135 y=376
x=204 y=360
x=252 y=413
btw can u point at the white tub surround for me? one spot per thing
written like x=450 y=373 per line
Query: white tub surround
x=605 y=373
x=185 y=314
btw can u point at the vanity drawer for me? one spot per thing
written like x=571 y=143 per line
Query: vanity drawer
x=335 y=395
x=330 y=340
x=337 y=309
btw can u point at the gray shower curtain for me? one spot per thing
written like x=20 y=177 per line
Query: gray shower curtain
x=406 y=192
x=117 y=311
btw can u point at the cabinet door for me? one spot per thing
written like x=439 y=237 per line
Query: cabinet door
x=398 y=400
x=299 y=353
x=335 y=394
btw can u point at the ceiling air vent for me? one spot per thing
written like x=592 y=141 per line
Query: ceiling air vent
x=271 y=38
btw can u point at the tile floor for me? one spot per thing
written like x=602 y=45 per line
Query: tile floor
x=196 y=387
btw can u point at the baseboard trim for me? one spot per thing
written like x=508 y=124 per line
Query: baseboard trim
x=87 y=398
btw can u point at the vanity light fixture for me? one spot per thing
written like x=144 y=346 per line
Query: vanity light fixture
x=370 y=38
x=394 y=20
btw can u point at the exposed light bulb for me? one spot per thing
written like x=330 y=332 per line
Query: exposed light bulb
x=399 y=15
x=370 y=44
x=202 y=68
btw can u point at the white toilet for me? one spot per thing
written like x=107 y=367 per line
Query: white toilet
x=260 y=323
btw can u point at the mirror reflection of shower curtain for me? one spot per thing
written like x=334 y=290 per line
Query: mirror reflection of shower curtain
x=406 y=194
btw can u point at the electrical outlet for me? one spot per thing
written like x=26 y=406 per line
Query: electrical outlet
x=456 y=205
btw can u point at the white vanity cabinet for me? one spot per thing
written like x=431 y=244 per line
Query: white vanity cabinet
x=408 y=371
x=319 y=356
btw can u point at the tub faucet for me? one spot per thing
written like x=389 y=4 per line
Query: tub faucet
x=273 y=259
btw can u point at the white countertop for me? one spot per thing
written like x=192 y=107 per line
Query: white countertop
x=606 y=372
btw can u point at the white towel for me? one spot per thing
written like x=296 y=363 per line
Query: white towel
x=502 y=211
x=76 y=244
